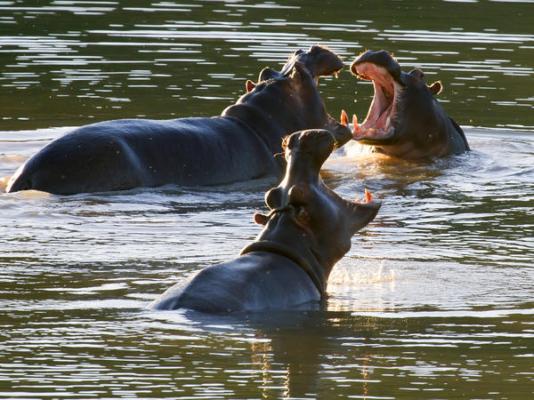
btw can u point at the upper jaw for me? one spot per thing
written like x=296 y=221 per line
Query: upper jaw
x=380 y=59
x=380 y=123
x=313 y=145
x=318 y=60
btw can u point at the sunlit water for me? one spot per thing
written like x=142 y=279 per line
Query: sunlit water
x=435 y=298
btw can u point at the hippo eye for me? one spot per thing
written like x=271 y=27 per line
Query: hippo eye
x=273 y=198
x=417 y=73
x=298 y=195
x=302 y=215
x=268 y=73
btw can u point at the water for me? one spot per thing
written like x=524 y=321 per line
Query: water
x=435 y=299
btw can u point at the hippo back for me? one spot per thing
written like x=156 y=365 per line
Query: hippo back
x=123 y=154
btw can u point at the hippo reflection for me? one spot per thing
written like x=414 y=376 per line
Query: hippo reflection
x=308 y=229
x=404 y=119
x=235 y=146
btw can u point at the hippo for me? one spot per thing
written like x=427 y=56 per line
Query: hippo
x=404 y=119
x=308 y=229
x=238 y=145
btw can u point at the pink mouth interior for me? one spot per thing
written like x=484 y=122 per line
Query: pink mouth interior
x=381 y=114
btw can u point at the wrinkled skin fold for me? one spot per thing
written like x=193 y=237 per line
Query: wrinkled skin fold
x=307 y=231
x=238 y=145
x=404 y=119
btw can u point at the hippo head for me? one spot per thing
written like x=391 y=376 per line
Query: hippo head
x=291 y=96
x=307 y=218
x=402 y=112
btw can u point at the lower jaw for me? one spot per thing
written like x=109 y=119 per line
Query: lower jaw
x=384 y=138
x=370 y=142
x=382 y=127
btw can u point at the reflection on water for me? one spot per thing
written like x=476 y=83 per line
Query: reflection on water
x=435 y=296
x=433 y=301
x=72 y=62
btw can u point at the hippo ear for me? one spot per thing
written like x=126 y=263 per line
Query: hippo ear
x=280 y=159
x=260 y=219
x=249 y=86
x=436 y=88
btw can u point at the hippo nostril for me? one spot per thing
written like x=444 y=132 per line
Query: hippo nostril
x=268 y=73
x=289 y=141
x=315 y=137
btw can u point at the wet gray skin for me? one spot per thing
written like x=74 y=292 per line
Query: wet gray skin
x=308 y=230
x=404 y=119
x=236 y=146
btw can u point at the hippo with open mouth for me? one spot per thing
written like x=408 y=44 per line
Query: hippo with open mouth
x=238 y=145
x=404 y=119
x=308 y=230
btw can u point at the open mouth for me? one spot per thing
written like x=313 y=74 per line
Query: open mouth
x=379 y=124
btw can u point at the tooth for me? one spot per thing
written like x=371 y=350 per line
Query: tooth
x=368 y=196
x=355 y=126
x=344 y=118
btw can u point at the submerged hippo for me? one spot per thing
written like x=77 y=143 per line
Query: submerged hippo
x=404 y=119
x=235 y=146
x=308 y=229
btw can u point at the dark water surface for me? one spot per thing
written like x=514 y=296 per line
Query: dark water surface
x=434 y=301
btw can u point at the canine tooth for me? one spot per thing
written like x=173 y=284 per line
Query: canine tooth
x=344 y=118
x=355 y=125
x=368 y=196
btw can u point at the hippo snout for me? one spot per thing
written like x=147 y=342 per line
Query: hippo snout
x=313 y=141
